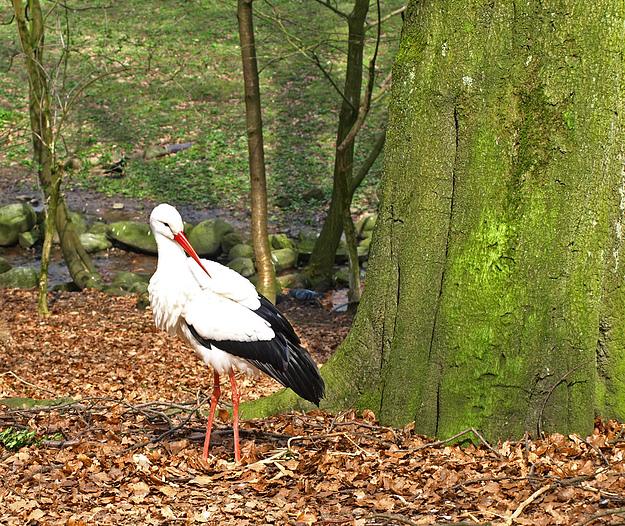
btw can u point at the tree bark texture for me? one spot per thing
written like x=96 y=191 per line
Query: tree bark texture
x=495 y=264
x=260 y=235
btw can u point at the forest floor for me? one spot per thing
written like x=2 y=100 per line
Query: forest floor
x=123 y=444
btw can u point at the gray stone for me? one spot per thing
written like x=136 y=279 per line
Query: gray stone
x=314 y=193
x=4 y=265
x=244 y=266
x=94 y=242
x=230 y=240
x=128 y=280
x=280 y=241
x=366 y=224
x=284 y=258
x=15 y=219
x=206 y=237
x=241 y=251
x=133 y=235
x=20 y=278
x=97 y=227
x=306 y=240
x=28 y=239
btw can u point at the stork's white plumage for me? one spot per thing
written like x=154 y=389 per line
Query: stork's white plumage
x=222 y=317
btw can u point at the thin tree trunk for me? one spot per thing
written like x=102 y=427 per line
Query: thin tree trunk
x=31 y=33
x=322 y=258
x=47 y=247
x=260 y=238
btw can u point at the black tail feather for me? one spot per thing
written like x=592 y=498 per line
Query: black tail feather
x=301 y=374
x=281 y=358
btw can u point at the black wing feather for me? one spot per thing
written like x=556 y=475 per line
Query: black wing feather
x=301 y=375
x=282 y=358
x=280 y=325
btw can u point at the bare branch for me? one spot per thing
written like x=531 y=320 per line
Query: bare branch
x=387 y=17
x=332 y=8
x=334 y=85
x=366 y=166
x=364 y=110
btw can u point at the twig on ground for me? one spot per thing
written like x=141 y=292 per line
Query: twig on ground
x=527 y=502
x=491 y=479
x=599 y=515
x=471 y=429
x=42 y=469
x=311 y=437
x=29 y=384
x=166 y=433
x=389 y=517
x=359 y=424
x=597 y=450
x=340 y=414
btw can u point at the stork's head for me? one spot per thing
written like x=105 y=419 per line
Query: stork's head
x=165 y=221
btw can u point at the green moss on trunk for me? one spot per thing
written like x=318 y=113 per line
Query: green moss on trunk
x=495 y=279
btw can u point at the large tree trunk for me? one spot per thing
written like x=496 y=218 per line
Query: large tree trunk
x=260 y=237
x=494 y=293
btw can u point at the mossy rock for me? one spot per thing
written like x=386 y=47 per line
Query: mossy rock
x=244 y=266
x=19 y=402
x=20 y=278
x=127 y=280
x=278 y=241
x=94 y=242
x=284 y=259
x=5 y=266
x=132 y=235
x=230 y=240
x=206 y=237
x=97 y=227
x=15 y=219
x=241 y=251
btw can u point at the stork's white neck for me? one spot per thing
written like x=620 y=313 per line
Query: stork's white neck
x=170 y=254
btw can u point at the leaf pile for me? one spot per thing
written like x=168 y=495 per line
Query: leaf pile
x=123 y=443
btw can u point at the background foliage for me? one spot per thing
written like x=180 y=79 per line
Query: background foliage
x=181 y=81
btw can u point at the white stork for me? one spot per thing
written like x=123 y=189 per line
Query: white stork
x=228 y=323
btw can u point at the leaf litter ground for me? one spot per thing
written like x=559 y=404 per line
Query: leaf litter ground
x=123 y=445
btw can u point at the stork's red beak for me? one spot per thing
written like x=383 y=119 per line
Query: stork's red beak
x=184 y=243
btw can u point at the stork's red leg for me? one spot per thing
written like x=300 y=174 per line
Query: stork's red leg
x=236 y=396
x=211 y=414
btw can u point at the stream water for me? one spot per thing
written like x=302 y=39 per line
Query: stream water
x=115 y=260
x=108 y=263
